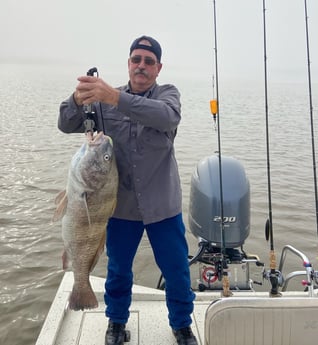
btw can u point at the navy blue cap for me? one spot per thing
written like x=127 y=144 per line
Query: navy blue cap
x=154 y=46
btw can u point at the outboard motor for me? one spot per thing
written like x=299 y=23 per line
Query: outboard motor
x=205 y=221
x=205 y=202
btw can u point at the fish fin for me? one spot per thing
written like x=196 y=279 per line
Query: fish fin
x=86 y=207
x=60 y=196
x=99 y=252
x=65 y=260
x=61 y=202
x=114 y=206
x=82 y=298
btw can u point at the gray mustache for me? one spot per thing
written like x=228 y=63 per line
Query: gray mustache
x=140 y=71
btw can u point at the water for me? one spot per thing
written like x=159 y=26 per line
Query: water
x=35 y=158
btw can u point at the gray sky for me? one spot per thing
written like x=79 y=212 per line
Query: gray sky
x=99 y=32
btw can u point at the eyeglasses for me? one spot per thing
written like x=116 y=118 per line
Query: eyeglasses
x=147 y=59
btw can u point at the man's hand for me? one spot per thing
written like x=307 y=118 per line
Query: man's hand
x=94 y=89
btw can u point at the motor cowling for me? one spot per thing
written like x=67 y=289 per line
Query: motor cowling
x=205 y=202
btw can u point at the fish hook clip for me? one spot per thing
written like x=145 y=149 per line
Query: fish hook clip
x=89 y=123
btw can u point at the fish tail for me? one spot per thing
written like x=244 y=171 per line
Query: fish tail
x=82 y=298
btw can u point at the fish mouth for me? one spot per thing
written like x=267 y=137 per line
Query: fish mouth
x=98 y=139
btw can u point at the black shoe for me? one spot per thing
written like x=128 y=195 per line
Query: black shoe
x=115 y=334
x=185 y=336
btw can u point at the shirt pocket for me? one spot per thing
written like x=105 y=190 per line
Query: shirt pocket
x=116 y=125
x=152 y=140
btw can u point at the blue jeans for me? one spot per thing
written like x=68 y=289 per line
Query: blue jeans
x=170 y=249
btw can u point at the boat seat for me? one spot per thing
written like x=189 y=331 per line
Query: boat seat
x=262 y=321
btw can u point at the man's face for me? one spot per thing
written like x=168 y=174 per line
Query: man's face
x=143 y=69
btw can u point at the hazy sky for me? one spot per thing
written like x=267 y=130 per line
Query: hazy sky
x=99 y=32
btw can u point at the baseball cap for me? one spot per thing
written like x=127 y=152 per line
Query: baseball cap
x=154 y=46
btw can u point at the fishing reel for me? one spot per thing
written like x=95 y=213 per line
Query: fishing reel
x=234 y=263
x=270 y=275
x=213 y=267
x=276 y=280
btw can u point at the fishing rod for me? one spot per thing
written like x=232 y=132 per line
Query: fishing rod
x=311 y=113
x=273 y=275
x=311 y=273
x=214 y=107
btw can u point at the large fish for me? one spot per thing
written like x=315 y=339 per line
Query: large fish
x=86 y=205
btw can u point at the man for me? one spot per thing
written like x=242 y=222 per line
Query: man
x=142 y=119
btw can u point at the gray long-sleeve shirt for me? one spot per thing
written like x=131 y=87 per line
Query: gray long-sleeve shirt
x=143 y=129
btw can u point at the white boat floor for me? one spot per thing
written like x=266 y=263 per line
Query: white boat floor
x=88 y=328
x=148 y=322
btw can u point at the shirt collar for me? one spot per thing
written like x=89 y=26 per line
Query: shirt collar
x=146 y=94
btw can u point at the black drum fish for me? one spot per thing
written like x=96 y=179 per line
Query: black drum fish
x=85 y=207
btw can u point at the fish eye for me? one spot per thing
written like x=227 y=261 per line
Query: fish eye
x=106 y=157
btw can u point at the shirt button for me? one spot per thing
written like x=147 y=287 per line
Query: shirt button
x=137 y=179
x=134 y=166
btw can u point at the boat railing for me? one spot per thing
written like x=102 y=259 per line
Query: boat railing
x=308 y=272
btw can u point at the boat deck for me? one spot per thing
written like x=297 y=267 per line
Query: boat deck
x=148 y=322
